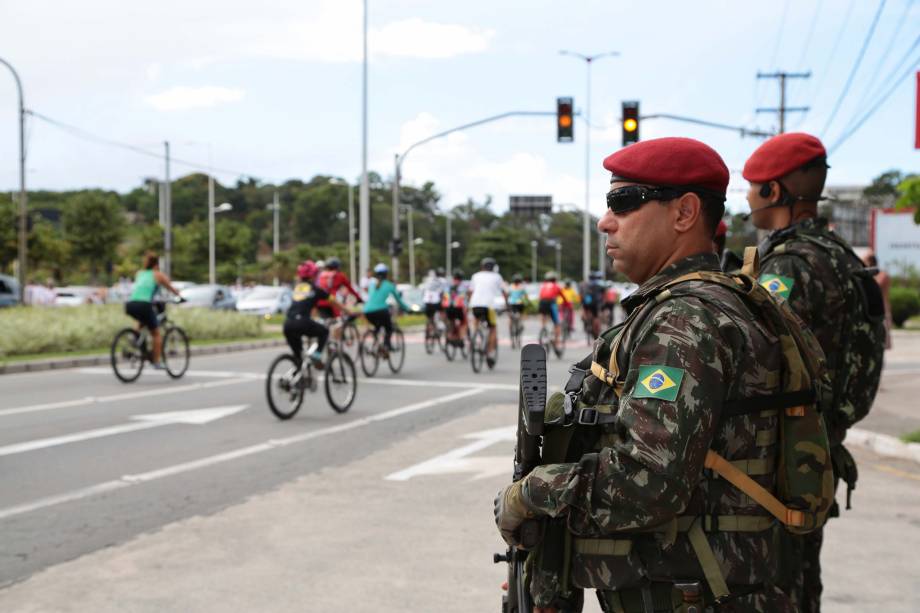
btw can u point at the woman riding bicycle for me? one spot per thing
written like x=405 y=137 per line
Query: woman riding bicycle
x=298 y=322
x=549 y=292
x=376 y=309
x=140 y=304
x=454 y=304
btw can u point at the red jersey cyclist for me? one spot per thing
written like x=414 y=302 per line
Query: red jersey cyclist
x=549 y=292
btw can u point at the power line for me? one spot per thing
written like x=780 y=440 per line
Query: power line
x=85 y=135
x=859 y=58
x=779 y=33
x=782 y=109
x=884 y=56
x=833 y=54
x=877 y=106
x=862 y=106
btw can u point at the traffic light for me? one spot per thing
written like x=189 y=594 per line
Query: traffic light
x=565 y=122
x=630 y=122
x=396 y=247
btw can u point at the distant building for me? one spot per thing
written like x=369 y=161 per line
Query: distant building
x=530 y=207
x=849 y=211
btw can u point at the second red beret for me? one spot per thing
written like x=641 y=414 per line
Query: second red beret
x=780 y=155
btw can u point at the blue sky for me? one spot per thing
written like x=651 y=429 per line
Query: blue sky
x=274 y=88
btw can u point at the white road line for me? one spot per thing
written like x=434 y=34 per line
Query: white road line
x=184 y=467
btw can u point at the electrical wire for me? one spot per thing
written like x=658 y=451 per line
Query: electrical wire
x=840 y=32
x=859 y=58
x=85 y=135
x=779 y=33
x=884 y=56
x=881 y=101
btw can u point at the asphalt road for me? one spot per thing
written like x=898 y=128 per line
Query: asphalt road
x=87 y=462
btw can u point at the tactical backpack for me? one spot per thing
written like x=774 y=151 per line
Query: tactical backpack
x=856 y=368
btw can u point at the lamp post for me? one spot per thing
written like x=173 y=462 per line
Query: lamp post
x=447 y=246
x=23 y=211
x=275 y=207
x=212 y=210
x=586 y=234
x=364 y=196
x=602 y=253
x=408 y=210
x=351 y=224
x=559 y=259
x=533 y=261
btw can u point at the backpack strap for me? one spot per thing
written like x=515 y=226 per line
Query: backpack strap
x=731 y=473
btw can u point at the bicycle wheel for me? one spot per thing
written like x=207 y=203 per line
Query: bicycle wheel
x=477 y=351
x=431 y=337
x=284 y=387
x=126 y=357
x=512 y=331
x=397 y=356
x=341 y=381
x=370 y=360
x=175 y=352
x=351 y=342
x=450 y=349
x=491 y=356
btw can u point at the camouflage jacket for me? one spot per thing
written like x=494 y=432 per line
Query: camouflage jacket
x=683 y=358
x=809 y=266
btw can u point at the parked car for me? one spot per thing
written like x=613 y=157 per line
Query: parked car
x=9 y=291
x=265 y=300
x=76 y=295
x=208 y=296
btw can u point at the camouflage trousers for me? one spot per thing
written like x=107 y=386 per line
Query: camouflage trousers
x=770 y=600
x=811 y=570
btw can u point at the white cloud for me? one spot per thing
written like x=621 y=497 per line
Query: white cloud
x=423 y=39
x=186 y=98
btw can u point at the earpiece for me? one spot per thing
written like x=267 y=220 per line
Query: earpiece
x=765 y=190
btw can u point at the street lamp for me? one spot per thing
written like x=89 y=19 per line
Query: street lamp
x=586 y=234
x=557 y=245
x=275 y=207
x=351 y=224
x=408 y=209
x=212 y=210
x=23 y=243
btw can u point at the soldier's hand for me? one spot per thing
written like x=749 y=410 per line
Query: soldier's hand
x=511 y=511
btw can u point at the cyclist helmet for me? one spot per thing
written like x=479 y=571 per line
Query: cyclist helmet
x=333 y=263
x=596 y=275
x=381 y=270
x=439 y=272
x=307 y=270
x=550 y=275
x=516 y=278
x=321 y=264
x=487 y=263
x=458 y=274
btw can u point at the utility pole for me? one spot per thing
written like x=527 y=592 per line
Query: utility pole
x=602 y=253
x=394 y=263
x=448 y=247
x=212 y=275
x=783 y=109
x=364 y=206
x=167 y=234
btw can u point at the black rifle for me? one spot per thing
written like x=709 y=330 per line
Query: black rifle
x=531 y=406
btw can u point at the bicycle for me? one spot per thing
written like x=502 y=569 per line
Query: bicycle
x=434 y=334
x=287 y=382
x=129 y=350
x=372 y=351
x=452 y=347
x=546 y=339
x=515 y=329
x=479 y=348
x=344 y=332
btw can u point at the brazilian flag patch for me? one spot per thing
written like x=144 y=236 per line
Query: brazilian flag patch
x=662 y=382
x=777 y=285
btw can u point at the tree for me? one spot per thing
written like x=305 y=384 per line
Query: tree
x=510 y=248
x=48 y=248
x=94 y=224
x=884 y=185
x=9 y=223
x=909 y=190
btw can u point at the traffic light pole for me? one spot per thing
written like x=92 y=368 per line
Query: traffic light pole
x=401 y=157
x=23 y=210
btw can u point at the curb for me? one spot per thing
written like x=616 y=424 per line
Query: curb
x=101 y=359
x=884 y=445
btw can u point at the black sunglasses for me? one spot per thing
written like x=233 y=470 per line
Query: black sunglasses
x=632 y=197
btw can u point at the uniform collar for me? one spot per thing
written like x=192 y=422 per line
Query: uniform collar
x=812 y=225
x=693 y=263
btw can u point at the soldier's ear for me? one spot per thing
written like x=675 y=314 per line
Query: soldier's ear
x=688 y=211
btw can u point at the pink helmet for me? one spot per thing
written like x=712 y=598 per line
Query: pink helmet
x=307 y=270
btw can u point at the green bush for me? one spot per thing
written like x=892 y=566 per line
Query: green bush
x=35 y=330
x=905 y=303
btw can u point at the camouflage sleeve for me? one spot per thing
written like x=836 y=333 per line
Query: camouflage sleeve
x=667 y=418
x=790 y=277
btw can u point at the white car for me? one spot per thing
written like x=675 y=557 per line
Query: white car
x=265 y=300
x=75 y=295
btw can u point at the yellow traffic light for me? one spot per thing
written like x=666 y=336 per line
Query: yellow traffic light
x=630 y=125
x=565 y=121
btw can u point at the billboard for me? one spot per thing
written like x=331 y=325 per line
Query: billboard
x=895 y=238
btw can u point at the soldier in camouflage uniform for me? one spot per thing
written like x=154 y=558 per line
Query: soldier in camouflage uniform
x=629 y=506
x=806 y=263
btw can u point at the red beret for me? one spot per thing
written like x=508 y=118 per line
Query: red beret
x=780 y=155
x=722 y=228
x=671 y=161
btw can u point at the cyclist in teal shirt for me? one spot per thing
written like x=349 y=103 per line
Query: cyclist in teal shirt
x=376 y=309
x=517 y=294
x=140 y=304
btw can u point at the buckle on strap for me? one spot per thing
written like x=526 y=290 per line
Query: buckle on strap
x=569 y=401
x=587 y=416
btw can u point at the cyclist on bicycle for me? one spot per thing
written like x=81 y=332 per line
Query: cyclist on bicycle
x=592 y=297
x=611 y=298
x=568 y=302
x=517 y=295
x=376 y=309
x=433 y=293
x=454 y=305
x=332 y=279
x=140 y=305
x=549 y=292
x=484 y=289
x=298 y=323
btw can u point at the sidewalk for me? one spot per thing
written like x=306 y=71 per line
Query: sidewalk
x=896 y=410
x=347 y=539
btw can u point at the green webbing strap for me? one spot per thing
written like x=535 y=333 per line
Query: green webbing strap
x=756 y=467
x=602 y=547
x=708 y=563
